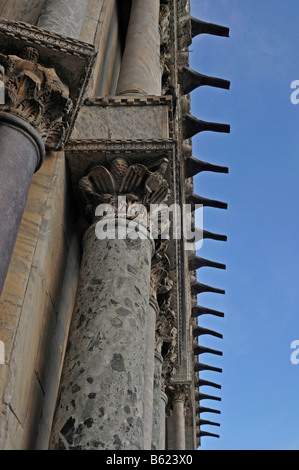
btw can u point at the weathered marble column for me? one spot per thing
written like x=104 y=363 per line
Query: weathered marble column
x=21 y=154
x=63 y=17
x=164 y=401
x=108 y=369
x=32 y=117
x=149 y=373
x=101 y=402
x=178 y=417
x=140 y=69
x=157 y=405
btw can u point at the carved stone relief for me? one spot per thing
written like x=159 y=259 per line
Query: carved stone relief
x=37 y=95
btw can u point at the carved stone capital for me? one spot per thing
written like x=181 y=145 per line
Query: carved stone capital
x=129 y=189
x=178 y=392
x=36 y=94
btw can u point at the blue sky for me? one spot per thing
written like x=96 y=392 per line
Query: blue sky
x=260 y=385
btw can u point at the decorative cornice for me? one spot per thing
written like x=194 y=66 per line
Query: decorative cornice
x=145 y=100
x=120 y=146
x=33 y=34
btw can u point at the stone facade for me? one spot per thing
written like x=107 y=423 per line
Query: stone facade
x=101 y=336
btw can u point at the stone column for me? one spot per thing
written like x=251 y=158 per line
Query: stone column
x=64 y=17
x=157 y=405
x=140 y=69
x=102 y=402
x=33 y=116
x=164 y=401
x=178 y=416
x=149 y=373
x=21 y=154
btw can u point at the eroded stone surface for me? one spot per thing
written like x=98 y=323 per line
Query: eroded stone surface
x=63 y=17
x=101 y=400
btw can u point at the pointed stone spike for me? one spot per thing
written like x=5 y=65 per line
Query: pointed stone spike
x=198 y=288
x=199 y=331
x=195 y=199
x=200 y=366
x=203 y=396
x=193 y=126
x=202 y=409
x=200 y=234
x=202 y=422
x=193 y=166
x=201 y=27
x=205 y=433
x=190 y=79
x=201 y=383
x=202 y=350
x=196 y=262
x=198 y=311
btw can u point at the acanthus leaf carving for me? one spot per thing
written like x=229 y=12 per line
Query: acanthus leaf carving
x=36 y=94
x=140 y=187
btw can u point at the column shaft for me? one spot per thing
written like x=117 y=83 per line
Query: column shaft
x=149 y=374
x=164 y=401
x=21 y=154
x=101 y=402
x=140 y=70
x=64 y=17
x=156 y=430
x=178 y=416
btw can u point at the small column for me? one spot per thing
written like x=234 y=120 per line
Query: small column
x=21 y=154
x=64 y=17
x=140 y=69
x=149 y=373
x=164 y=401
x=179 y=424
x=178 y=416
x=157 y=404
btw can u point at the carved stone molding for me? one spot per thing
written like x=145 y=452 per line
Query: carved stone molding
x=165 y=331
x=164 y=27
x=161 y=284
x=37 y=95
